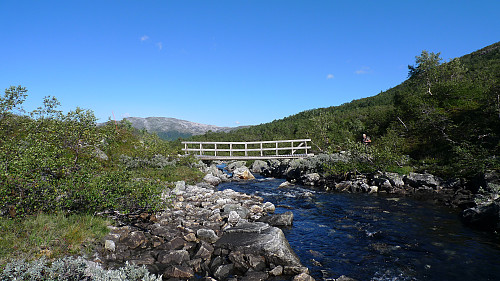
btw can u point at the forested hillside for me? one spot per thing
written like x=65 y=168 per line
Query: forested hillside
x=446 y=117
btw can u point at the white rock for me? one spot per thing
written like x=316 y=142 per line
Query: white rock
x=233 y=218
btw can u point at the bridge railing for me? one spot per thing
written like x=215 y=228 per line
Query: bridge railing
x=248 y=150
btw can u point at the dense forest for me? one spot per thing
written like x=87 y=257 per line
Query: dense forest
x=444 y=119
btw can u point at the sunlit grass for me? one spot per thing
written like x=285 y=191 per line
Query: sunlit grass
x=52 y=236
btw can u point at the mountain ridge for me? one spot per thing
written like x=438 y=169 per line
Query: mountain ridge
x=169 y=128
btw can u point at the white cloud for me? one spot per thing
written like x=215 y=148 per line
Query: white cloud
x=363 y=70
x=329 y=76
x=237 y=122
x=144 y=38
x=160 y=45
x=125 y=115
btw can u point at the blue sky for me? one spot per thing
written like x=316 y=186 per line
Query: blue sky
x=226 y=63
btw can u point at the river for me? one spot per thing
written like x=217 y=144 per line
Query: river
x=378 y=237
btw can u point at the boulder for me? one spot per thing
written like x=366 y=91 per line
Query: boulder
x=284 y=219
x=207 y=235
x=416 y=180
x=243 y=173
x=284 y=184
x=310 y=179
x=173 y=257
x=259 y=239
x=211 y=179
x=258 y=166
x=177 y=271
x=485 y=217
x=303 y=277
x=235 y=165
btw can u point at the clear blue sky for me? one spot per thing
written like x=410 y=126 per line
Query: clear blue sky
x=226 y=63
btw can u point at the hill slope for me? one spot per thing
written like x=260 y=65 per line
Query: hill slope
x=445 y=115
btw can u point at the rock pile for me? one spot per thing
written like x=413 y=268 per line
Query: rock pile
x=206 y=233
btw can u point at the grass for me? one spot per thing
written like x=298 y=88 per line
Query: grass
x=49 y=235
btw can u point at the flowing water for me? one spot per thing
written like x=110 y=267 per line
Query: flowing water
x=375 y=237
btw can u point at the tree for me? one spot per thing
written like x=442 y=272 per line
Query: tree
x=425 y=68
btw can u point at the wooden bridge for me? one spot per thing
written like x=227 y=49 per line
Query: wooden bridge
x=281 y=149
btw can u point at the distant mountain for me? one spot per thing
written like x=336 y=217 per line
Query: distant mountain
x=172 y=128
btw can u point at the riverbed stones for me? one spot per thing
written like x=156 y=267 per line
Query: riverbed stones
x=205 y=233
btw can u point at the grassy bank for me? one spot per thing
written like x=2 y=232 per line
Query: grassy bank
x=49 y=235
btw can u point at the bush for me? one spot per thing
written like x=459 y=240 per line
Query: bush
x=70 y=268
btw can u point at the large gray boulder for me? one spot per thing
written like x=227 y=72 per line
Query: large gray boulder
x=283 y=219
x=259 y=239
x=485 y=217
x=417 y=180
x=258 y=166
x=235 y=165
x=211 y=179
x=243 y=173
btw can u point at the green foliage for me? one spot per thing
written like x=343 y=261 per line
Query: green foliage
x=425 y=63
x=51 y=161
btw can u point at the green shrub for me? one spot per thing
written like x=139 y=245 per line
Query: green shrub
x=70 y=268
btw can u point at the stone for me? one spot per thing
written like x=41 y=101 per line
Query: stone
x=243 y=173
x=258 y=166
x=134 y=239
x=294 y=270
x=311 y=179
x=416 y=180
x=233 y=218
x=485 y=217
x=109 y=245
x=190 y=237
x=395 y=179
x=177 y=243
x=235 y=165
x=345 y=278
x=259 y=239
x=204 y=251
x=255 y=276
x=284 y=184
x=207 y=235
x=269 y=207
x=173 y=257
x=256 y=209
x=373 y=189
x=100 y=154
x=277 y=271
x=211 y=179
x=303 y=277
x=241 y=211
x=284 y=219
x=177 y=271
x=223 y=271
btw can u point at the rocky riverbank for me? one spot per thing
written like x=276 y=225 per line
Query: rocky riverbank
x=205 y=234
x=478 y=198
